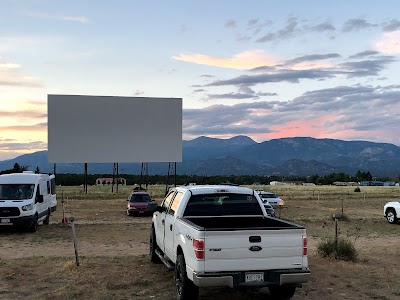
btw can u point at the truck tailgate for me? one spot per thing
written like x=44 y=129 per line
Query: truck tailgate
x=233 y=251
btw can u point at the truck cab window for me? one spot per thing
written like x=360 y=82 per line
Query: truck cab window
x=167 y=200
x=175 y=203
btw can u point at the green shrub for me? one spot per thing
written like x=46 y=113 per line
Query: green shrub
x=340 y=217
x=345 y=249
x=357 y=190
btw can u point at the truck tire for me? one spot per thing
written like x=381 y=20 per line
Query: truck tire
x=282 y=292
x=391 y=216
x=185 y=288
x=33 y=227
x=153 y=247
x=47 y=220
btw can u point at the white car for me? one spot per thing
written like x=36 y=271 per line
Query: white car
x=391 y=211
x=271 y=198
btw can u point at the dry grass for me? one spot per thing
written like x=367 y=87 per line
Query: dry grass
x=112 y=248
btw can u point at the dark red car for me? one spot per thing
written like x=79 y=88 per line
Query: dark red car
x=139 y=202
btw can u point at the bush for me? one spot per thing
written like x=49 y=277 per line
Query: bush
x=345 y=249
x=357 y=190
x=340 y=217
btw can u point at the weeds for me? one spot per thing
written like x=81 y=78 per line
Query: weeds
x=344 y=249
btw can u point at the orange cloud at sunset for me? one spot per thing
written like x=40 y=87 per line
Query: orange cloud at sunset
x=312 y=127
x=244 y=60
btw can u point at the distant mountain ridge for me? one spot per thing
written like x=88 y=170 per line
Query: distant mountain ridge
x=240 y=155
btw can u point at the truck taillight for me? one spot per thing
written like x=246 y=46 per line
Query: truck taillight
x=304 y=245
x=198 y=246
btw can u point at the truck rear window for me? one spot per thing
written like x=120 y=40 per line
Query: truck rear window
x=220 y=204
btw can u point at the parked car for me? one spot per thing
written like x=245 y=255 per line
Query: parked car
x=140 y=202
x=391 y=211
x=221 y=236
x=271 y=198
x=269 y=209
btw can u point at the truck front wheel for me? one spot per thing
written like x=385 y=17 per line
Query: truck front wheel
x=282 y=292
x=185 y=288
x=153 y=247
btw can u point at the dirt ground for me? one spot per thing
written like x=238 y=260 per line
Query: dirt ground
x=113 y=249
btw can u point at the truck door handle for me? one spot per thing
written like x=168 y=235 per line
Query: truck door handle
x=170 y=227
x=163 y=221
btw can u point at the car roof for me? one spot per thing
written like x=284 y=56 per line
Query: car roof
x=139 y=192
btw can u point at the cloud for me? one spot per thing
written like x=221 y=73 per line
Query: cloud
x=344 y=112
x=35 y=127
x=41 y=15
x=389 y=43
x=11 y=75
x=230 y=24
x=231 y=96
x=292 y=76
x=312 y=57
x=243 y=60
x=284 y=33
x=366 y=67
x=364 y=54
x=393 y=25
x=322 y=27
x=32 y=114
x=357 y=25
x=15 y=146
x=309 y=67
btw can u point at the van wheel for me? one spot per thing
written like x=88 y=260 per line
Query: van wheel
x=34 y=225
x=47 y=220
x=282 y=292
x=185 y=288
x=153 y=247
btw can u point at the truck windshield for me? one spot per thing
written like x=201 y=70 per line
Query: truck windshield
x=16 y=191
x=222 y=205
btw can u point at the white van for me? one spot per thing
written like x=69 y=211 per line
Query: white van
x=26 y=199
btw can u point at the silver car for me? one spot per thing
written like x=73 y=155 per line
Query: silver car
x=272 y=199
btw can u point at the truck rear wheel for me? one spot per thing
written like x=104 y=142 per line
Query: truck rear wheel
x=185 y=288
x=153 y=247
x=391 y=216
x=282 y=292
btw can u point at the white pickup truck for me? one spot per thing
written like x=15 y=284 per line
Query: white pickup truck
x=221 y=236
x=391 y=211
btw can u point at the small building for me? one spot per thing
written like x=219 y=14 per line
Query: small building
x=108 y=181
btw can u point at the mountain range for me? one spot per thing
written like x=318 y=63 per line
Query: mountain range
x=240 y=155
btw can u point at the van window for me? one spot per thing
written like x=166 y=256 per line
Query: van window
x=42 y=188
x=16 y=191
x=53 y=186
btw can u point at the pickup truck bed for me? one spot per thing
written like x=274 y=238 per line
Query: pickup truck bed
x=239 y=222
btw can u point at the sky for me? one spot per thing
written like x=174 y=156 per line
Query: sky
x=264 y=69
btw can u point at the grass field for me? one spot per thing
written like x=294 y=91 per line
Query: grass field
x=112 y=248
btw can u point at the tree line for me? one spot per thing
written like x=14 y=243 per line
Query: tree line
x=78 y=179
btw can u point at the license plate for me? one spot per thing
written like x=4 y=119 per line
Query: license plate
x=5 y=220
x=141 y=212
x=254 y=277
